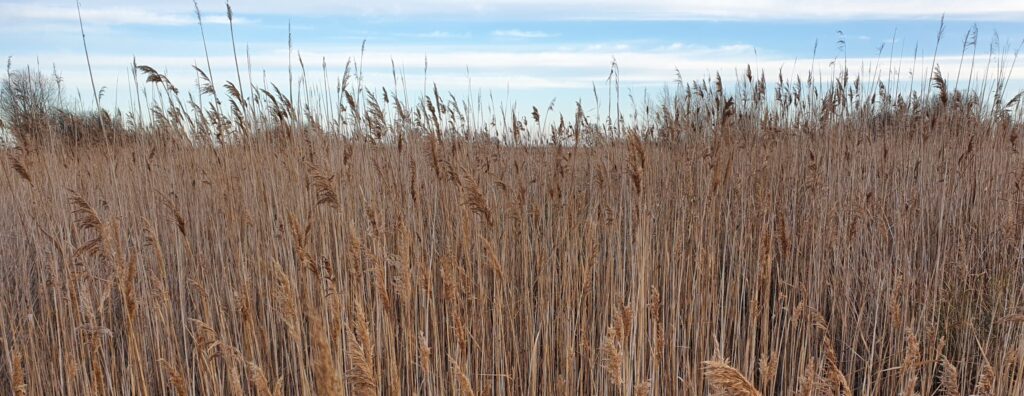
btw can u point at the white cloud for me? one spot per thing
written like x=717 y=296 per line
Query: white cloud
x=179 y=11
x=607 y=47
x=530 y=77
x=520 y=34
x=497 y=68
x=109 y=15
x=438 y=34
x=657 y=9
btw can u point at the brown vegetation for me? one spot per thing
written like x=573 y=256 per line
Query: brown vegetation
x=832 y=240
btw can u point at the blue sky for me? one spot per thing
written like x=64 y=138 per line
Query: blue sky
x=526 y=51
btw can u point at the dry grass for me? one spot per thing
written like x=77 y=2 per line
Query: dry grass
x=175 y=268
x=835 y=240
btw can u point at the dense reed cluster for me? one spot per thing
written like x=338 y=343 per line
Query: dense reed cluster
x=794 y=237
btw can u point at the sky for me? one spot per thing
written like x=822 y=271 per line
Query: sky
x=527 y=51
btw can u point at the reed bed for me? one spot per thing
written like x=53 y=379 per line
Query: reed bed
x=803 y=238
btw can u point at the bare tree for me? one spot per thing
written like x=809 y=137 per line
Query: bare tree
x=27 y=97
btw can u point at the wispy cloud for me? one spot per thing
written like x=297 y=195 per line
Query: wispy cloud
x=521 y=34
x=116 y=15
x=178 y=12
x=1006 y=10
x=439 y=34
x=729 y=50
x=492 y=69
x=607 y=47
